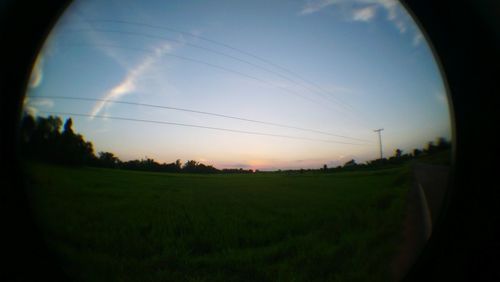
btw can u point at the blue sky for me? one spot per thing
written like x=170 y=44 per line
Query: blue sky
x=339 y=67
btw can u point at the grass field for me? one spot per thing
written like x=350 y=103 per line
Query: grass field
x=115 y=225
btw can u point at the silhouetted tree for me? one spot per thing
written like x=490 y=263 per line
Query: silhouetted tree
x=45 y=137
x=416 y=152
x=202 y=168
x=443 y=144
x=193 y=166
x=107 y=159
x=28 y=126
x=67 y=127
x=74 y=150
x=49 y=127
x=431 y=148
x=190 y=166
x=237 y=170
x=398 y=153
x=350 y=163
x=41 y=139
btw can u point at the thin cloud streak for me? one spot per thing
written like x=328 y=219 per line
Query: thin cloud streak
x=363 y=11
x=417 y=39
x=31 y=106
x=129 y=83
x=96 y=39
x=316 y=6
x=37 y=73
x=364 y=14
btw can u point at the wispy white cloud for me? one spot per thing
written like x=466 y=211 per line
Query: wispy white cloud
x=129 y=83
x=440 y=97
x=389 y=5
x=365 y=11
x=417 y=38
x=401 y=25
x=98 y=40
x=364 y=14
x=48 y=50
x=317 y=5
x=393 y=11
x=32 y=106
x=37 y=73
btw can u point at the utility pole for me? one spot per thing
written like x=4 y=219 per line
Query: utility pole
x=380 y=140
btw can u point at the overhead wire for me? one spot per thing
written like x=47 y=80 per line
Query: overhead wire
x=145 y=35
x=239 y=50
x=198 y=126
x=235 y=72
x=209 y=65
x=216 y=42
x=319 y=89
x=197 y=112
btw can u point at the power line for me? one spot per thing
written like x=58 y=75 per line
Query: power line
x=203 y=63
x=199 y=126
x=214 y=52
x=213 y=66
x=346 y=106
x=197 y=112
x=170 y=29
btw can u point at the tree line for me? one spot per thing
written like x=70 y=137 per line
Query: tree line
x=48 y=139
x=431 y=149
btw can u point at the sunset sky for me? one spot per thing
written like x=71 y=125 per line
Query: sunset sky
x=299 y=83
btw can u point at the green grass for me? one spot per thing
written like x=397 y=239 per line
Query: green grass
x=113 y=225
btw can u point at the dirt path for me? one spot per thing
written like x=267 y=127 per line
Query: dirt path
x=424 y=201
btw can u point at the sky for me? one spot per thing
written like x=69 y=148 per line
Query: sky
x=252 y=84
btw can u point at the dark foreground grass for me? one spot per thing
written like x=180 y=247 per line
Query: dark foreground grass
x=112 y=225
